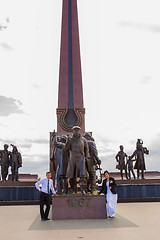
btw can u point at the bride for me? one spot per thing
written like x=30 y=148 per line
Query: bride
x=109 y=188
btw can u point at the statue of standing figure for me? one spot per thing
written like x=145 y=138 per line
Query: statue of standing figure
x=130 y=167
x=139 y=156
x=79 y=154
x=4 y=162
x=62 y=158
x=93 y=161
x=120 y=157
x=15 y=162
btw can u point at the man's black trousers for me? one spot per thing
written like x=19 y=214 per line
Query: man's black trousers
x=44 y=200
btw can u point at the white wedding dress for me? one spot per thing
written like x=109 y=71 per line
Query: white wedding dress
x=111 y=201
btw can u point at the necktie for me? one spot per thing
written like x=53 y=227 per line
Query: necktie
x=48 y=186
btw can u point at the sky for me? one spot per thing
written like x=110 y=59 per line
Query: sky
x=120 y=56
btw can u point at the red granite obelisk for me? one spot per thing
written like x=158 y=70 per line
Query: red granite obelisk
x=70 y=111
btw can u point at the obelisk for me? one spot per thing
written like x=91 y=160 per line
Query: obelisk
x=70 y=111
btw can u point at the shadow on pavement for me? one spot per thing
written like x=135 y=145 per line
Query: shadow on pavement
x=117 y=222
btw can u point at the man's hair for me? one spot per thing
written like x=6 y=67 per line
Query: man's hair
x=47 y=172
x=106 y=172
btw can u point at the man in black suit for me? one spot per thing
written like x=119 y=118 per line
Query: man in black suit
x=46 y=187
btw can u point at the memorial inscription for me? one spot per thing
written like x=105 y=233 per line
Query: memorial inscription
x=75 y=202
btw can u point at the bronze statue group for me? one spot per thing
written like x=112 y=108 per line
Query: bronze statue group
x=125 y=162
x=75 y=157
x=11 y=159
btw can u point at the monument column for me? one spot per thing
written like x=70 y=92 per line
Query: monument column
x=70 y=111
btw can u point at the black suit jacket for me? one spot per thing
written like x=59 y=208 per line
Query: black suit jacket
x=112 y=184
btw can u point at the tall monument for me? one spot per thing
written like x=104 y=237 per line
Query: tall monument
x=70 y=111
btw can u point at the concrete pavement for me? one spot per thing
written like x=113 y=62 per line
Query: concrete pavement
x=133 y=221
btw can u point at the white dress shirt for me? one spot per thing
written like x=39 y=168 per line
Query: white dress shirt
x=44 y=183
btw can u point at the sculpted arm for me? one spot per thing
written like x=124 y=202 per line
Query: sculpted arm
x=20 y=160
x=68 y=145
x=94 y=150
x=133 y=155
x=146 y=151
x=117 y=157
x=86 y=149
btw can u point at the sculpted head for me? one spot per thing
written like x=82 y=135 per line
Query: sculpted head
x=139 y=144
x=87 y=136
x=76 y=130
x=15 y=149
x=63 y=138
x=5 y=146
x=121 y=148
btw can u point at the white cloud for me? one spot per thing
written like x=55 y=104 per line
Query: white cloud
x=6 y=46
x=9 y=105
x=142 y=26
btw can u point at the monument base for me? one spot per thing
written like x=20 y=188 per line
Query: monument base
x=78 y=207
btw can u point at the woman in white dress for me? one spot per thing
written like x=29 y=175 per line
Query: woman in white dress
x=109 y=188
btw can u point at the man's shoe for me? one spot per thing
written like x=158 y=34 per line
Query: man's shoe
x=43 y=219
x=47 y=218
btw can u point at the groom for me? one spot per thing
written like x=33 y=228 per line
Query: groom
x=47 y=186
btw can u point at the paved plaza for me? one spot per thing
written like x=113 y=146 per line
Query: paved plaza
x=133 y=221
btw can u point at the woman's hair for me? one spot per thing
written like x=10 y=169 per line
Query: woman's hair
x=106 y=172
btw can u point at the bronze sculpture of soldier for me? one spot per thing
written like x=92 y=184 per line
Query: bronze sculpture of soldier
x=79 y=153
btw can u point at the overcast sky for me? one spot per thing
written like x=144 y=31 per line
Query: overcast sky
x=120 y=54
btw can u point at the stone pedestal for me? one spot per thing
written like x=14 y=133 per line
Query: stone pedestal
x=78 y=207
x=25 y=177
